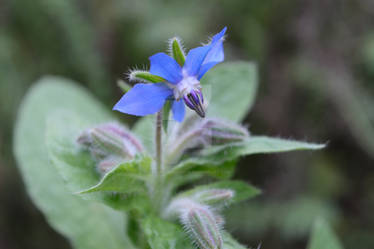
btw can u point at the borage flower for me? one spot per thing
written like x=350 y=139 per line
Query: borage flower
x=176 y=79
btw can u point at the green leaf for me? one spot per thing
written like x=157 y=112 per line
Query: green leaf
x=243 y=191
x=76 y=165
x=215 y=156
x=70 y=215
x=129 y=177
x=261 y=145
x=230 y=243
x=162 y=234
x=201 y=166
x=230 y=89
x=323 y=237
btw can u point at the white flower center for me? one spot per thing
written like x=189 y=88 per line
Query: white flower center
x=185 y=86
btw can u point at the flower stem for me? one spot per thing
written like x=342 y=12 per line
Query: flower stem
x=159 y=143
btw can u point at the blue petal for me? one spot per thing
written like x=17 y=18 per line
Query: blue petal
x=214 y=57
x=166 y=67
x=178 y=110
x=206 y=55
x=143 y=99
x=215 y=54
x=195 y=58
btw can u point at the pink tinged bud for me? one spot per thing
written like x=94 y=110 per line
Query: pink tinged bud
x=219 y=132
x=194 y=100
x=214 y=197
x=110 y=139
x=201 y=223
x=107 y=164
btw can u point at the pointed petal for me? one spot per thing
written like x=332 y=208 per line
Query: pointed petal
x=215 y=54
x=143 y=99
x=166 y=67
x=214 y=57
x=195 y=59
x=209 y=54
x=178 y=110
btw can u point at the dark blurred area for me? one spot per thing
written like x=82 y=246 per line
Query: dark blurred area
x=316 y=62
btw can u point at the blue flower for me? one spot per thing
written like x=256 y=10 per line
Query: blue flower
x=178 y=82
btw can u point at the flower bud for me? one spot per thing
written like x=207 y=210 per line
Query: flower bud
x=214 y=197
x=201 y=223
x=204 y=133
x=217 y=131
x=110 y=139
x=194 y=100
x=107 y=164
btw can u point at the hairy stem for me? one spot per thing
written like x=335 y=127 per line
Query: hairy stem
x=159 y=143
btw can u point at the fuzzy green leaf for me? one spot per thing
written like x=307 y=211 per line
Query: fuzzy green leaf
x=63 y=210
x=323 y=237
x=129 y=177
x=78 y=169
x=230 y=89
x=161 y=234
x=212 y=158
x=230 y=243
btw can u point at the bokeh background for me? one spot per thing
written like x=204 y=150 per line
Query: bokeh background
x=316 y=68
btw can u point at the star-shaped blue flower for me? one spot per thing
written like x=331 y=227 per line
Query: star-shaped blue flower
x=178 y=82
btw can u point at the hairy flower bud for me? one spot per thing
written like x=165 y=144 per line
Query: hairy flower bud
x=107 y=164
x=201 y=223
x=214 y=197
x=217 y=131
x=204 y=133
x=110 y=139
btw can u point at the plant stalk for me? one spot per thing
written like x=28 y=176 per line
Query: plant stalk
x=159 y=167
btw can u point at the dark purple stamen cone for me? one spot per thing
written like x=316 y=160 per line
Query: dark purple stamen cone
x=194 y=100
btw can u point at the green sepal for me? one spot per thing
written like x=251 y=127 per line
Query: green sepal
x=166 y=112
x=177 y=51
x=125 y=87
x=145 y=76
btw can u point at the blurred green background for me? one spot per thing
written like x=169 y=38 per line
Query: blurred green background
x=316 y=62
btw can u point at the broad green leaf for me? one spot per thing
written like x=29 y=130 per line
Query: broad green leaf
x=129 y=177
x=161 y=234
x=214 y=157
x=260 y=145
x=230 y=89
x=323 y=237
x=243 y=191
x=70 y=215
x=78 y=169
x=230 y=243
x=202 y=166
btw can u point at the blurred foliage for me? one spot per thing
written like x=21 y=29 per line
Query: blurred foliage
x=316 y=61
